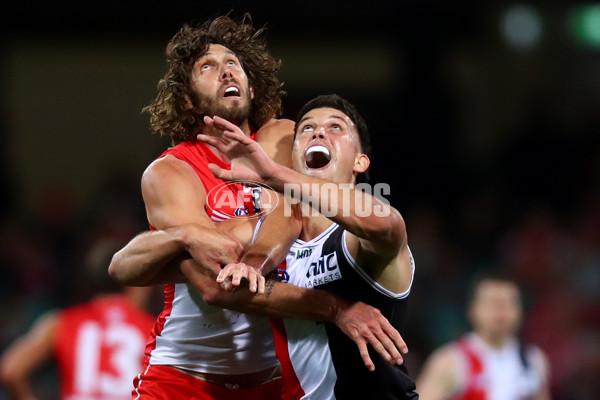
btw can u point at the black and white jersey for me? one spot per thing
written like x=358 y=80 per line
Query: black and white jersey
x=327 y=363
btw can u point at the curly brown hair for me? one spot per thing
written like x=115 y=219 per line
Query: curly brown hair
x=168 y=112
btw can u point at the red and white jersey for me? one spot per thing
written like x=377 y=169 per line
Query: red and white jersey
x=192 y=335
x=100 y=348
x=486 y=373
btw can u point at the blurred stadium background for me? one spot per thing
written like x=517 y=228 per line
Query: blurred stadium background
x=484 y=117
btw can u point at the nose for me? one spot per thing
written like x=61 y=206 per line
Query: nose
x=226 y=73
x=319 y=133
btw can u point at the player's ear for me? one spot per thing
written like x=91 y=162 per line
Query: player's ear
x=188 y=103
x=361 y=163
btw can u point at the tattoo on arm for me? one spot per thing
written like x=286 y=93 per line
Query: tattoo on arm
x=269 y=287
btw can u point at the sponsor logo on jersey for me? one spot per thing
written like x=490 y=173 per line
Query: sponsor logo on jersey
x=301 y=253
x=323 y=271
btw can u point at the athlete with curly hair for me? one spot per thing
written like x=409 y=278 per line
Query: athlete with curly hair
x=198 y=349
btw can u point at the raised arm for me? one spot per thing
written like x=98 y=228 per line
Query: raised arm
x=175 y=198
x=375 y=220
x=377 y=231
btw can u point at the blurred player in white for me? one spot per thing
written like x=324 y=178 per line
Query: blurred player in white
x=490 y=362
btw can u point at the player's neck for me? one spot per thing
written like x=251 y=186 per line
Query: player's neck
x=244 y=126
x=497 y=342
x=313 y=224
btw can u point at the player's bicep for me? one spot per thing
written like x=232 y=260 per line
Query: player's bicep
x=173 y=194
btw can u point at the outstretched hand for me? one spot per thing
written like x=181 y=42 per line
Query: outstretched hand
x=366 y=325
x=249 y=161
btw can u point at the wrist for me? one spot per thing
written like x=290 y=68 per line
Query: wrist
x=277 y=177
x=258 y=261
x=337 y=309
x=182 y=236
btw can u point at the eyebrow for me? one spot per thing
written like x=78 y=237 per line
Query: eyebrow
x=208 y=53
x=331 y=116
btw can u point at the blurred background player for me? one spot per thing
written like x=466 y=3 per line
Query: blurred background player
x=98 y=344
x=490 y=362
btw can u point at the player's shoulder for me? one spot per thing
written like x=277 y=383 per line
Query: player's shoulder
x=276 y=129
x=277 y=137
x=441 y=368
x=166 y=167
x=448 y=350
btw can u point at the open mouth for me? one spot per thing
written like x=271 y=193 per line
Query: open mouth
x=317 y=157
x=232 y=91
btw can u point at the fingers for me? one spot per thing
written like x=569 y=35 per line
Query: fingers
x=227 y=286
x=220 y=143
x=364 y=352
x=226 y=129
x=387 y=348
x=261 y=285
x=229 y=129
x=392 y=333
x=220 y=172
x=238 y=136
x=381 y=343
x=208 y=139
x=222 y=123
x=387 y=341
x=367 y=326
x=234 y=274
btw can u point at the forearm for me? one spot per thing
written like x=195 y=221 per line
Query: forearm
x=26 y=355
x=368 y=216
x=280 y=300
x=364 y=324
x=14 y=374
x=278 y=231
x=20 y=389
x=150 y=258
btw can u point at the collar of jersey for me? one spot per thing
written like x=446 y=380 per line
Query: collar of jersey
x=315 y=241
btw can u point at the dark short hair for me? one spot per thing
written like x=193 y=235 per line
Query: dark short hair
x=339 y=103
x=486 y=275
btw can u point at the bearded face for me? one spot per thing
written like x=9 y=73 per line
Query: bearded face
x=235 y=110
x=220 y=86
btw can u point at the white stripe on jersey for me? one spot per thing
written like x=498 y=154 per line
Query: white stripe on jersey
x=309 y=353
x=363 y=274
x=308 y=343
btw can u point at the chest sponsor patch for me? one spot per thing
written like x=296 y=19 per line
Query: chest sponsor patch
x=323 y=271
